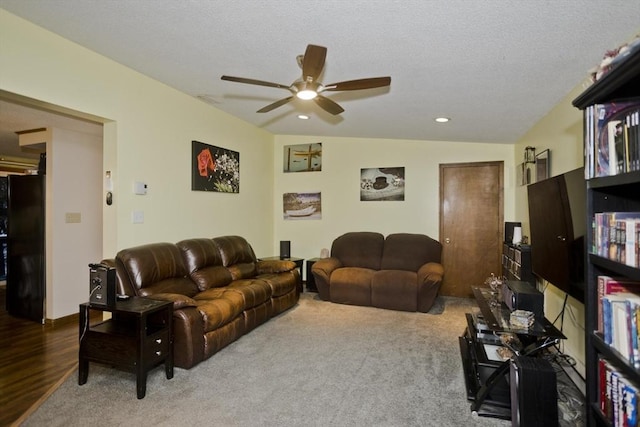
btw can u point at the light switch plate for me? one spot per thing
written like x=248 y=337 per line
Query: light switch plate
x=72 y=217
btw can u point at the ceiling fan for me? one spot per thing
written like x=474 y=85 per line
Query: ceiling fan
x=308 y=87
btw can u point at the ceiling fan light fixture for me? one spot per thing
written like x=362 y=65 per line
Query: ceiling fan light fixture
x=307 y=94
x=442 y=119
x=303 y=117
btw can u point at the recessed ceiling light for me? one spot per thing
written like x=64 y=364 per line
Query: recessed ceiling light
x=303 y=117
x=442 y=119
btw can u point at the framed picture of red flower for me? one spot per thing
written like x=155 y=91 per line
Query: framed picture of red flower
x=214 y=168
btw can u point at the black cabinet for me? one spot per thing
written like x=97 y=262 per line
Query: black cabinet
x=516 y=262
x=616 y=193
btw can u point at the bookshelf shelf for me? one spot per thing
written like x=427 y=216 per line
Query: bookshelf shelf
x=617 y=193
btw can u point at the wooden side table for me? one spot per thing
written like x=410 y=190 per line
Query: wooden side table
x=137 y=338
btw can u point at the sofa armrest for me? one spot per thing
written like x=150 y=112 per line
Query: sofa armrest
x=429 y=280
x=274 y=266
x=430 y=272
x=321 y=271
x=179 y=300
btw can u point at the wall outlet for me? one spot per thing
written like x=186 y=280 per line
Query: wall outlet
x=72 y=217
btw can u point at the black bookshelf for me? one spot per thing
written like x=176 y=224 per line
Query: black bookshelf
x=617 y=193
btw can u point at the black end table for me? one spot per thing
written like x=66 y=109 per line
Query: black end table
x=311 y=280
x=137 y=338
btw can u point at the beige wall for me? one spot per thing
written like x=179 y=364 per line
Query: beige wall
x=339 y=184
x=560 y=131
x=71 y=188
x=147 y=137
x=148 y=128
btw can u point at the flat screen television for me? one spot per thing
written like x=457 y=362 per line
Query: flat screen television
x=558 y=226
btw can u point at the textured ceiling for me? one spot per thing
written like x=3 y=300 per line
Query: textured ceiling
x=495 y=67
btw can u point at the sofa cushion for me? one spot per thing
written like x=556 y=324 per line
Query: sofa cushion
x=351 y=285
x=405 y=251
x=204 y=263
x=237 y=255
x=254 y=292
x=221 y=310
x=359 y=249
x=395 y=290
x=155 y=268
x=281 y=283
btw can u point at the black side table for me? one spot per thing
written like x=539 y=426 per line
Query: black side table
x=311 y=280
x=137 y=338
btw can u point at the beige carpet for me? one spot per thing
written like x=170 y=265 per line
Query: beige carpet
x=318 y=364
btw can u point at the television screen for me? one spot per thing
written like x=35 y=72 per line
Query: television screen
x=558 y=225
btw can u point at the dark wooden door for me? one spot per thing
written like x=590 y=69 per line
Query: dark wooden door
x=471 y=223
x=25 y=247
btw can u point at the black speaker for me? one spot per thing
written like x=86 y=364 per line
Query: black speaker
x=534 y=394
x=285 y=249
x=102 y=285
x=508 y=231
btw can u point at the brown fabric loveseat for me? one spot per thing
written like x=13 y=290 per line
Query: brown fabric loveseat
x=401 y=272
x=220 y=291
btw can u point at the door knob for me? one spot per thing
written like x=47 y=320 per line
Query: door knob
x=447 y=240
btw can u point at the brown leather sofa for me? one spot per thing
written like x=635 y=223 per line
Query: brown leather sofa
x=401 y=272
x=220 y=291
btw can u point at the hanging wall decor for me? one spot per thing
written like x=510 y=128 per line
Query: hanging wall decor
x=214 y=168
x=302 y=206
x=302 y=158
x=382 y=184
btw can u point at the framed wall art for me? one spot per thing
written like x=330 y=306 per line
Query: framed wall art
x=382 y=184
x=543 y=163
x=214 y=168
x=302 y=158
x=296 y=206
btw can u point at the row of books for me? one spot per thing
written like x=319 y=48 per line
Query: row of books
x=616 y=235
x=612 y=138
x=619 y=315
x=618 y=396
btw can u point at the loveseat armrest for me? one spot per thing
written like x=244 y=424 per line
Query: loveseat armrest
x=321 y=271
x=272 y=266
x=429 y=280
x=430 y=272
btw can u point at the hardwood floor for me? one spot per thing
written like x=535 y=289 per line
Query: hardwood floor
x=34 y=360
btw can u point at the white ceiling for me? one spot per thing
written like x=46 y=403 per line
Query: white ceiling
x=494 y=66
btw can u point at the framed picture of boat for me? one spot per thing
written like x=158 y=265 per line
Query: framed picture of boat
x=214 y=168
x=300 y=206
x=382 y=184
x=302 y=158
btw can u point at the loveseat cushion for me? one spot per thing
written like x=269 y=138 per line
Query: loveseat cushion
x=154 y=268
x=238 y=256
x=352 y=285
x=359 y=249
x=406 y=251
x=204 y=263
x=281 y=283
x=395 y=290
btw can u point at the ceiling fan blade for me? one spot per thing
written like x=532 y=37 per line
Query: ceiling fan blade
x=328 y=105
x=253 y=82
x=313 y=62
x=275 y=105
x=369 y=83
